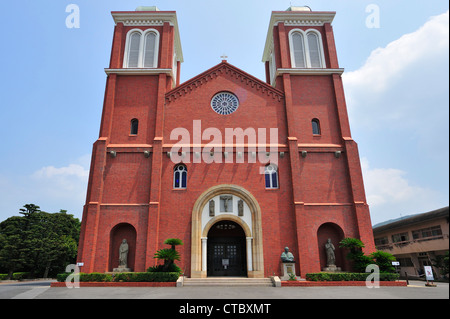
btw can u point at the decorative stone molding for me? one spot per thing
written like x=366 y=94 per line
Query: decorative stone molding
x=142 y=22
x=303 y=22
x=223 y=69
x=199 y=233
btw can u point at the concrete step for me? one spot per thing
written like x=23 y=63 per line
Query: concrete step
x=228 y=281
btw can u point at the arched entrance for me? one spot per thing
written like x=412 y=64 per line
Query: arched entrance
x=226 y=250
x=227 y=203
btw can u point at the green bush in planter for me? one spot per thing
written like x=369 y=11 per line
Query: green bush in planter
x=20 y=275
x=348 y=276
x=147 y=277
x=125 y=277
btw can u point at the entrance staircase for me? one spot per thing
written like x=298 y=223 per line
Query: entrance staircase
x=228 y=282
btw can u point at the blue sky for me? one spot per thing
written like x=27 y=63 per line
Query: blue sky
x=396 y=83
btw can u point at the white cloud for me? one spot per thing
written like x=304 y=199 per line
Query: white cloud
x=404 y=80
x=68 y=182
x=52 y=188
x=390 y=193
x=74 y=170
x=398 y=109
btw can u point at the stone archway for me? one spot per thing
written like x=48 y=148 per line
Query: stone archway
x=251 y=225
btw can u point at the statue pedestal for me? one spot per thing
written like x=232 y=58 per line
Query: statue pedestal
x=121 y=269
x=332 y=268
x=286 y=269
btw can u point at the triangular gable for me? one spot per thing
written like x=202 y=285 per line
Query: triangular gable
x=223 y=68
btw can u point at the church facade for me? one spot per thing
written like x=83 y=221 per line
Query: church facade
x=236 y=167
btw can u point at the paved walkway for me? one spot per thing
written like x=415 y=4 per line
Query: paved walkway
x=42 y=290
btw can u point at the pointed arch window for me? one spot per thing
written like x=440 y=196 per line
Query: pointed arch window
x=306 y=49
x=315 y=127
x=134 y=126
x=141 y=49
x=271 y=176
x=180 y=176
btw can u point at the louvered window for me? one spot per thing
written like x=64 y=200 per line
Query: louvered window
x=306 y=49
x=133 y=51
x=150 y=46
x=314 y=53
x=142 y=49
x=299 y=50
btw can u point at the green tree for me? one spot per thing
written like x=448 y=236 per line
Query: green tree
x=355 y=254
x=12 y=257
x=173 y=242
x=441 y=262
x=384 y=261
x=360 y=261
x=38 y=242
x=169 y=255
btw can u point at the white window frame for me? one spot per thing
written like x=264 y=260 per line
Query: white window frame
x=176 y=170
x=141 y=58
x=306 y=48
x=272 y=68
x=274 y=170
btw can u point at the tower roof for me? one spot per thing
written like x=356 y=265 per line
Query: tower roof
x=304 y=8
x=144 y=8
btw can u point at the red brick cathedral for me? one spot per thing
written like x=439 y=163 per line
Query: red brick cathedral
x=235 y=167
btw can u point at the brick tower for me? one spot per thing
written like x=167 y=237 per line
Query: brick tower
x=235 y=198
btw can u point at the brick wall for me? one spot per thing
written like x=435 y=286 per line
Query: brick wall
x=320 y=195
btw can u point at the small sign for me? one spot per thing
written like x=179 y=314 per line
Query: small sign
x=80 y=264
x=429 y=273
x=395 y=263
x=225 y=262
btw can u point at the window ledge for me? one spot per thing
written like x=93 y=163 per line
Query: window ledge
x=309 y=71
x=139 y=71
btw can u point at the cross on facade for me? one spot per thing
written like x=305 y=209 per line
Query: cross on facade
x=224 y=57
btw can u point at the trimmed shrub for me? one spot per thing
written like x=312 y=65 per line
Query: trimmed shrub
x=348 y=276
x=95 y=277
x=161 y=268
x=147 y=277
x=125 y=277
x=20 y=275
x=3 y=276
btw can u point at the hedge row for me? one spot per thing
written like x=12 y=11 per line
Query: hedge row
x=125 y=277
x=16 y=276
x=347 y=276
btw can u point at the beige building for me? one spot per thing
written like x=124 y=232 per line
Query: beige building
x=415 y=240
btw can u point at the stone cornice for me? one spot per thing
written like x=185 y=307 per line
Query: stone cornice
x=309 y=71
x=221 y=69
x=139 y=71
